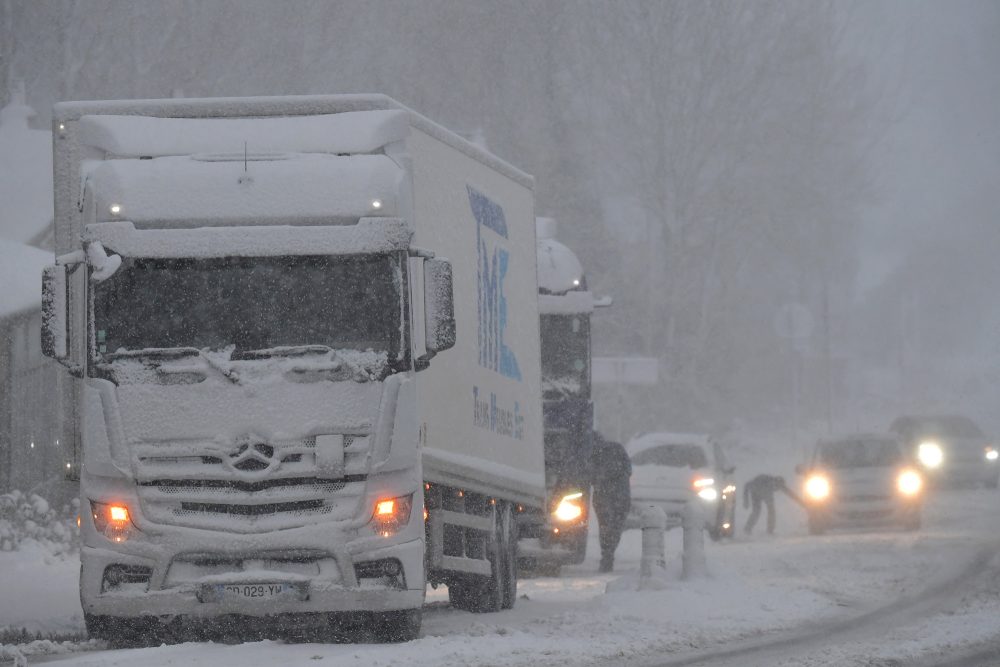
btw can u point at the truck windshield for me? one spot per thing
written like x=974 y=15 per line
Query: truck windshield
x=252 y=303
x=565 y=355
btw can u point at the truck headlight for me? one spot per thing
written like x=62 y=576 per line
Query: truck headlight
x=570 y=508
x=818 y=487
x=391 y=514
x=930 y=454
x=909 y=483
x=112 y=520
x=991 y=454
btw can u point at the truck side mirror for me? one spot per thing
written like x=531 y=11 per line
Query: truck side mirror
x=55 y=334
x=439 y=306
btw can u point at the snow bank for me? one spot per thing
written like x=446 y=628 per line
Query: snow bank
x=40 y=591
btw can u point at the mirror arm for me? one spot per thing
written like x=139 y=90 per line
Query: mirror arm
x=72 y=258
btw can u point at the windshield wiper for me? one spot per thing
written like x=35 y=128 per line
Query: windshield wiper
x=176 y=353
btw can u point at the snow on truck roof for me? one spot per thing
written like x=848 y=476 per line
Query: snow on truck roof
x=349 y=132
x=649 y=440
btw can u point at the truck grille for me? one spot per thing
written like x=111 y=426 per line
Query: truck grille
x=275 y=486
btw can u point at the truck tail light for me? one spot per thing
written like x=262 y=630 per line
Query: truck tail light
x=112 y=520
x=391 y=514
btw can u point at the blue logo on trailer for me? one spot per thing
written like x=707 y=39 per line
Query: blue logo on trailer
x=493 y=263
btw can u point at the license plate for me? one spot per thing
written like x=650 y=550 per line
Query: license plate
x=255 y=591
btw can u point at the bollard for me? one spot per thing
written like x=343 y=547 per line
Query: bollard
x=654 y=559
x=693 y=559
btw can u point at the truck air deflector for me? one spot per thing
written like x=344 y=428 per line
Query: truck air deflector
x=369 y=236
x=212 y=190
x=336 y=133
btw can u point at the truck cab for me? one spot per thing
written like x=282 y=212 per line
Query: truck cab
x=565 y=307
x=248 y=294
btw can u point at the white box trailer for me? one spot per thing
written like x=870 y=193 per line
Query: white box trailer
x=305 y=337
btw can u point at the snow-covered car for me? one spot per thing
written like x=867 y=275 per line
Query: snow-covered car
x=862 y=480
x=950 y=448
x=671 y=469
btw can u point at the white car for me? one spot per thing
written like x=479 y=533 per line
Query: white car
x=671 y=469
x=862 y=480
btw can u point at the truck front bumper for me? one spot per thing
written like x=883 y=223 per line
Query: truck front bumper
x=133 y=580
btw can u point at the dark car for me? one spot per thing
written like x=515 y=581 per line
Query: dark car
x=951 y=449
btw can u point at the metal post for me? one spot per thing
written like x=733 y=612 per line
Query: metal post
x=654 y=523
x=693 y=558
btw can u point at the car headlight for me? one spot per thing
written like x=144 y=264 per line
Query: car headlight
x=708 y=493
x=909 y=483
x=991 y=454
x=570 y=508
x=818 y=487
x=930 y=454
x=705 y=488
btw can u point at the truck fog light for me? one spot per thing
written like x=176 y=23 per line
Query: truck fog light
x=570 y=508
x=112 y=520
x=708 y=493
x=991 y=454
x=391 y=514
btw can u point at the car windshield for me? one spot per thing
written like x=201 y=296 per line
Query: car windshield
x=251 y=303
x=674 y=456
x=860 y=454
x=565 y=355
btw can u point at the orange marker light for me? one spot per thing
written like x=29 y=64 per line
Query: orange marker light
x=118 y=513
x=385 y=507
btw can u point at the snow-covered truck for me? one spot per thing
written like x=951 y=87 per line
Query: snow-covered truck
x=559 y=535
x=305 y=337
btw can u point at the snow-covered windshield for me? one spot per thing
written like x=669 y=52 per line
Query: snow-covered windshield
x=251 y=303
x=860 y=454
x=673 y=456
x=565 y=355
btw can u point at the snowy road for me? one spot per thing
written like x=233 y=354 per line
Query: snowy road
x=867 y=598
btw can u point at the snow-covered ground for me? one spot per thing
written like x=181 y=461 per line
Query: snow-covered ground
x=757 y=587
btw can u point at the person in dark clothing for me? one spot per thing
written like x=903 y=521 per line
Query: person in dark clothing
x=760 y=491
x=612 y=495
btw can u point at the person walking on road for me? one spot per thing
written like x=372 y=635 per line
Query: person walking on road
x=760 y=491
x=612 y=495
